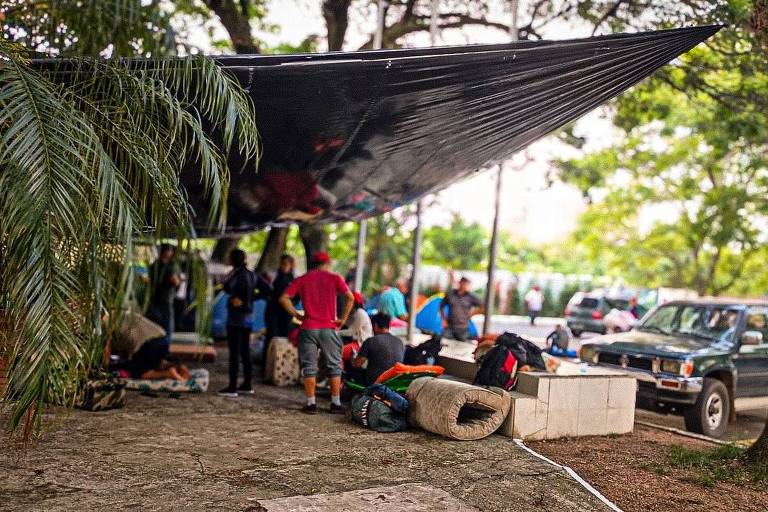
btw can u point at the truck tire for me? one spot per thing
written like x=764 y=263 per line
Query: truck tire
x=576 y=333
x=709 y=415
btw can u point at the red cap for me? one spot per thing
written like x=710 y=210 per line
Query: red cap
x=320 y=257
x=358 y=298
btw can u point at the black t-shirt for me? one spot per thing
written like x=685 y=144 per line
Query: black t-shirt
x=160 y=276
x=382 y=352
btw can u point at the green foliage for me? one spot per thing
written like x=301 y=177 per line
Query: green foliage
x=78 y=27
x=89 y=161
x=460 y=246
x=694 y=150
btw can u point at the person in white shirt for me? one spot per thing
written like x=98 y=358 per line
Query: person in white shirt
x=359 y=323
x=534 y=300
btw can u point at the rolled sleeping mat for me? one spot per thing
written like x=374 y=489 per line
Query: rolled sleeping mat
x=456 y=410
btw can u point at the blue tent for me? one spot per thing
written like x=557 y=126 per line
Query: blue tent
x=219 y=321
x=428 y=316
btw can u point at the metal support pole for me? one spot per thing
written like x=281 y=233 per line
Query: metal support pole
x=415 y=273
x=362 y=226
x=513 y=33
x=378 y=38
x=433 y=14
x=490 y=291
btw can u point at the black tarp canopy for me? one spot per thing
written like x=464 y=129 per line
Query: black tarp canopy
x=351 y=135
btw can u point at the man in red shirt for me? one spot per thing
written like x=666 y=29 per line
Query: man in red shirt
x=317 y=290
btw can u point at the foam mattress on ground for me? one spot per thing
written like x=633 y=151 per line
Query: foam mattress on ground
x=197 y=383
x=282 y=364
x=186 y=352
x=456 y=410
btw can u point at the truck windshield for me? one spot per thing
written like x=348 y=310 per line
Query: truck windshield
x=707 y=322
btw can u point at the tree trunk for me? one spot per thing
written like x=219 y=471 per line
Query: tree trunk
x=336 y=14
x=314 y=237
x=758 y=452
x=223 y=247
x=237 y=24
x=273 y=249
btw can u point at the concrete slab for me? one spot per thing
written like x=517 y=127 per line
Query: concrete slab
x=399 y=498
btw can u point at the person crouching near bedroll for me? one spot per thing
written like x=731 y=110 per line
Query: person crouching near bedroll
x=317 y=290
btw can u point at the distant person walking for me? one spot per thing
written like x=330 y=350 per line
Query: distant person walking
x=379 y=353
x=317 y=290
x=392 y=300
x=240 y=284
x=461 y=304
x=534 y=301
x=164 y=278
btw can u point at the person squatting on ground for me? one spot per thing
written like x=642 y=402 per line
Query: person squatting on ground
x=240 y=284
x=317 y=290
x=462 y=304
x=164 y=278
x=143 y=343
x=558 y=340
x=379 y=353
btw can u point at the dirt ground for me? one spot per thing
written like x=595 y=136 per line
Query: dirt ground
x=626 y=470
x=203 y=452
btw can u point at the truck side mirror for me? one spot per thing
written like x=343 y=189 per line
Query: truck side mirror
x=752 y=338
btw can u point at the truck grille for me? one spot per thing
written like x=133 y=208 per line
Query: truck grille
x=639 y=362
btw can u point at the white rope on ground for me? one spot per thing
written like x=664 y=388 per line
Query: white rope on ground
x=572 y=473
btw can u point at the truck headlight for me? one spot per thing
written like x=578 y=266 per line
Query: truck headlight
x=588 y=354
x=670 y=366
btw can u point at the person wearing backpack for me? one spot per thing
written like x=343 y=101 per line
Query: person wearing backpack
x=240 y=284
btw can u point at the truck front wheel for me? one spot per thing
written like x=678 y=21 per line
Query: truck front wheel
x=709 y=415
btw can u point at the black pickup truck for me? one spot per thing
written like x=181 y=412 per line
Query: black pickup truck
x=704 y=359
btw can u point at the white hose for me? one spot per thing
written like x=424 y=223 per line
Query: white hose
x=572 y=473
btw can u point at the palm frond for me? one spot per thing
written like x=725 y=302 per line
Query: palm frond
x=90 y=158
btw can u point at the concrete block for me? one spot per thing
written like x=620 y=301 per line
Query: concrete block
x=593 y=422
x=522 y=421
x=593 y=393
x=564 y=394
x=562 y=423
x=535 y=384
x=622 y=392
x=620 y=421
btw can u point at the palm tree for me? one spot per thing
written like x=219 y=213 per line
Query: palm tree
x=90 y=155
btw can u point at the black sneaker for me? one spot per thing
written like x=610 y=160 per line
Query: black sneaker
x=245 y=390
x=228 y=392
x=338 y=409
x=309 y=409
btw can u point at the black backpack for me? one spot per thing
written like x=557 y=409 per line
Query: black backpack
x=425 y=353
x=524 y=351
x=498 y=368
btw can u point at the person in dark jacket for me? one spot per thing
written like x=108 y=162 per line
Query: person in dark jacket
x=165 y=278
x=240 y=284
x=279 y=321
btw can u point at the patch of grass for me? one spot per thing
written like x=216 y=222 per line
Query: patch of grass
x=722 y=464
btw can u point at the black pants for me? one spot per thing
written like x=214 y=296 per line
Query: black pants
x=239 y=348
